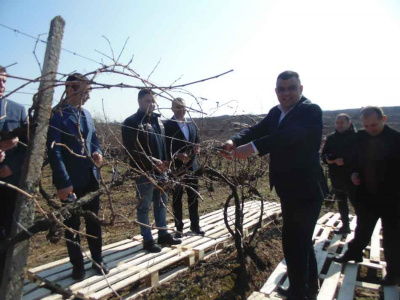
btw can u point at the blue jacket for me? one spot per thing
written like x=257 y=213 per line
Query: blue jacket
x=293 y=144
x=15 y=117
x=68 y=169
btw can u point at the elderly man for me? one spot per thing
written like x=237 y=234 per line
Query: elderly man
x=376 y=176
x=12 y=155
x=143 y=137
x=182 y=148
x=74 y=174
x=291 y=133
x=337 y=154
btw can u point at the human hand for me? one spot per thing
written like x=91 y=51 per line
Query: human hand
x=183 y=157
x=160 y=165
x=2 y=155
x=9 y=144
x=339 y=161
x=355 y=178
x=244 y=151
x=63 y=193
x=227 y=148
x=98 y=158
x=5 y=171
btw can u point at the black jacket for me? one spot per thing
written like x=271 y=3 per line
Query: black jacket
x=387 y=162
x=176 y=143
x=143 y=137
x=293 y=145
x=340 y=145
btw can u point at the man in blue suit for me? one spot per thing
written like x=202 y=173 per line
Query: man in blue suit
x=12 y=116
x=74 y=174
x=291 y=134
x=182 y=149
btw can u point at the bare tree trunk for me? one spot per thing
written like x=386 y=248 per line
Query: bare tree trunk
x=16 y=258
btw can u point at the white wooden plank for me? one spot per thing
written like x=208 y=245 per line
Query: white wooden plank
x=124 y=272
x=66 y=260
x=353 y=223
x=275 y=278
x=348 y=285
x=325 y=218
x=375 y=252
x=37 y=294
x=53 y=297
x=130 y=279
x=330 y=283
x=163 y=278
x=331 y=222
x=391 y=292
x=258 y=296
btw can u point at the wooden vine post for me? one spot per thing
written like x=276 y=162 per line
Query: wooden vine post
x=17 y=255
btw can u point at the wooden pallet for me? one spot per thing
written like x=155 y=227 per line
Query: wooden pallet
x=338 y=281
x=131 y=264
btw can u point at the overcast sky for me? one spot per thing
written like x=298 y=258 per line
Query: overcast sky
x=346 y=52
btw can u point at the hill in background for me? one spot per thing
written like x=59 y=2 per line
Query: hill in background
x=223 y=127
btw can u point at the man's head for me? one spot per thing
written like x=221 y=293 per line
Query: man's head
x=179 y=108
x=78 y=89
x=3 y=80
x=147 y=101
x=288 y=89
x=373 y=120
x=342 y=122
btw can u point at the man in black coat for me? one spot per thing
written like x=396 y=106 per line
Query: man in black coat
x=291 y=134
x=143 y=137
x=337 y=154
x=376 y=175
x=182 y=149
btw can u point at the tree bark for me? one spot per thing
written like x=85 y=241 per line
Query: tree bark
x=16 y=257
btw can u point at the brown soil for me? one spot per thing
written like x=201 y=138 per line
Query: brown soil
x=218 y=277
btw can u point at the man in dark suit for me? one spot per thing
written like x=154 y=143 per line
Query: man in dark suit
x=291 y=133
x=74 y=174
x=182 y=149
x=12 y=116
x=337 y=154
x=143 y=136
x=375 y=174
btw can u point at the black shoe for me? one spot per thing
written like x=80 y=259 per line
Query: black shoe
x=197 y=229
x=177 y=235
x=78 y=273
x=103 y=266
x=342 y=230
x=151 y=246
x=282 y=291
x=168 y=240
x=348 y=257
x=389 y=280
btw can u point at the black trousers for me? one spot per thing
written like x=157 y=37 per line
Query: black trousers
x=8 y=197
x=367 y=216
x=92 y=228
x=193 y=203
x=341 y=196
x=300 y=211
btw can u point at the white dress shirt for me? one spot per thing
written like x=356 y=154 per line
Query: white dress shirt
x=184 y=127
